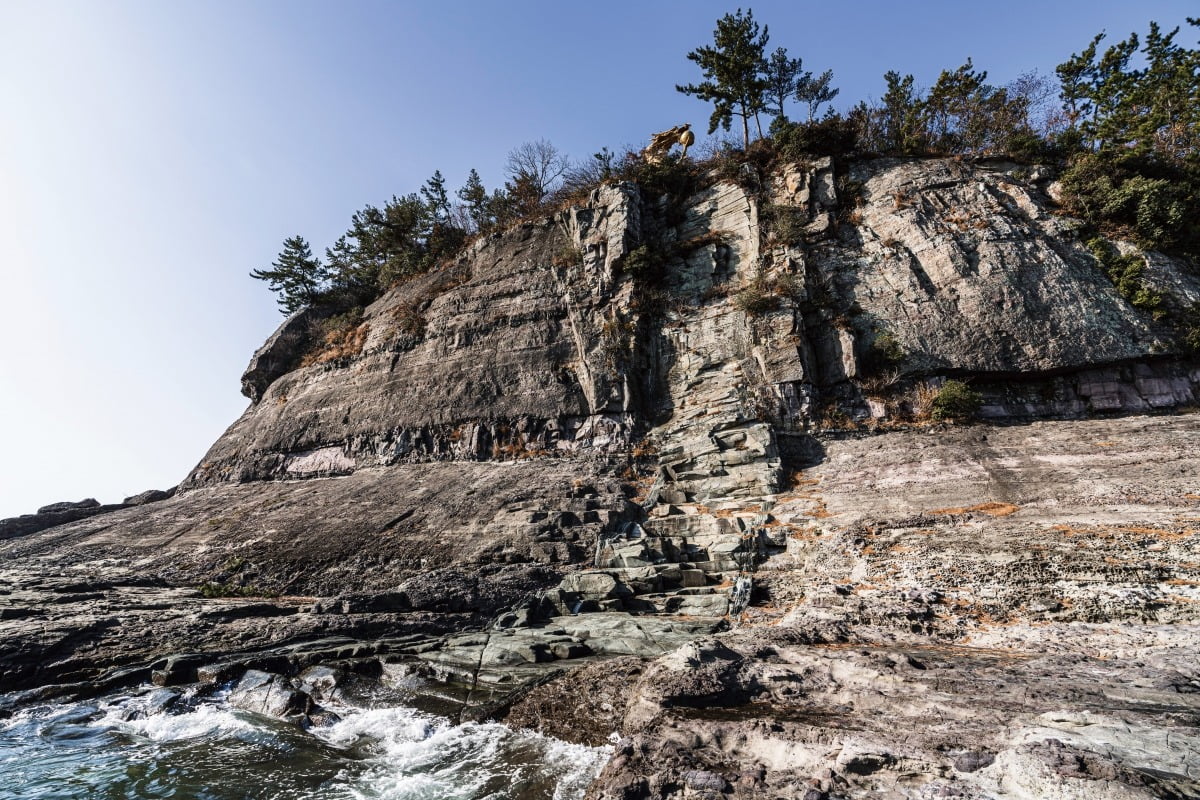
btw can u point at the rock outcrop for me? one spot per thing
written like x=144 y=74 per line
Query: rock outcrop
x=597 y=437
x=51 y=515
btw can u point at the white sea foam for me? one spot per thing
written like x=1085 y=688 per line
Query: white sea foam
x=392 y=753
x=208 y=721
x=417 y=756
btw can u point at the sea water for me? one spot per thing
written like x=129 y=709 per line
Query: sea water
x=105 y=749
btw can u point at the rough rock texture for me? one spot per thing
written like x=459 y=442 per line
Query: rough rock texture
x=971 y=273
x=498 y=355
x=605 y=437
x=972 y=611
x=52 y=515
x=967 y=271
x=371 y=531
x=777 y=715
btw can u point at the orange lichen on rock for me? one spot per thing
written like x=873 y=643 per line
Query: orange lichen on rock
x=991 y=509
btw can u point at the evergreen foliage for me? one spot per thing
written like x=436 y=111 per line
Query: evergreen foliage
x=475 y=199
x=783 y=77
x=1137 y=133
x=732 y=67
x=815 y=92
x=1124 y=130
x=296 y=276
x=956 y=400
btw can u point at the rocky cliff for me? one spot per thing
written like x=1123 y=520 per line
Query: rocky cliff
x=541 y=341
x=658 y=414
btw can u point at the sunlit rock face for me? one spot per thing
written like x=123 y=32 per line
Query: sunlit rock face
x=621 y=429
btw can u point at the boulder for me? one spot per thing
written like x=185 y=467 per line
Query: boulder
x=149 y=496
x=270 y=694
x=66 y=505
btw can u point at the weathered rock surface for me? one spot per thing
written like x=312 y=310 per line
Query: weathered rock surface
x=500 y=355
x=775 y=714
x=968 y=270
x=534 y=459
x=52 y=515
x=377 y=530
x=1034 y=640
x=149 y=496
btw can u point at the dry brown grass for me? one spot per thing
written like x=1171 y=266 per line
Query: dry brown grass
x=703 y=240
x=1143 y=534
x=922 y=398
x=879 y=385
x=409 y=319
x=820 y=512
x=339 y=343
x=726 y=513
x=800 y=479
x=644 y=449
x=804 y=535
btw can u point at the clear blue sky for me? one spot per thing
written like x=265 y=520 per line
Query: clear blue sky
x=153 y=153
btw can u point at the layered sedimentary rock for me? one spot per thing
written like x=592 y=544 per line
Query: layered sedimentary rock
x=651 y=417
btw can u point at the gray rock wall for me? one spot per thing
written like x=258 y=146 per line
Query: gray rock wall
x=534 y=343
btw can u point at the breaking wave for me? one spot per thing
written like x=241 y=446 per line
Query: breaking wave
x=120 y=748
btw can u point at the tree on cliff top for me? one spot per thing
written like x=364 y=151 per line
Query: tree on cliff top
x=533 y=170
x=733 y=68
x=296 y=275
x=782 y=76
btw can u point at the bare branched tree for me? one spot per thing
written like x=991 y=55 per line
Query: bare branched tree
x=536 y=166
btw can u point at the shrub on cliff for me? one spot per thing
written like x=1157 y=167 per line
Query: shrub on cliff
x=1156 y=202
x=1127 y=273
x=955 y=400
x=1133 y=109
x=834 y=135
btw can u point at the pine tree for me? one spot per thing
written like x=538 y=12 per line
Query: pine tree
x=732 y=69
x=297 y=277
x=475 y=197
x=1076 y=76
x=436 y=199
x=902 y=131
x=782 y=76
x=815 y=92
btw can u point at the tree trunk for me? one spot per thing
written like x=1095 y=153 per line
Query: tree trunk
x=745 y=128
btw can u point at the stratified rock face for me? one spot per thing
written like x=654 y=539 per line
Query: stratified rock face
x=534 y=342
x=497 y=356
x=51 y=515
x=370 y=531
x=614 y=431
x=978 y=611
x=535 y=360
x=969 y=271
x=966 y=271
